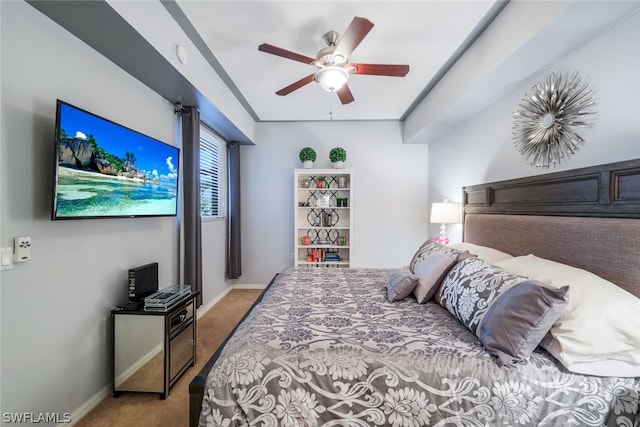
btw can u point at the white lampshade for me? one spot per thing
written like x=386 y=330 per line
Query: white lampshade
x=332 y=78
x=446 y=213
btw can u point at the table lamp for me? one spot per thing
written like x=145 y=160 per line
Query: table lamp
x=445 y=213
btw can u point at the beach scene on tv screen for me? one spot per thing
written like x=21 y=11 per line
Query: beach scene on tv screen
x=108 y=170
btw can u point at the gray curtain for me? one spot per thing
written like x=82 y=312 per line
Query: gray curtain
x=234 y=255
x=191 y=211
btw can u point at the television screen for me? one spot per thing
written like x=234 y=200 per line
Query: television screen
x=103 y=169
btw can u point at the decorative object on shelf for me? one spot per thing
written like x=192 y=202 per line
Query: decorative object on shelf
x=321 y=183
x=338 y=155
x=323 y=201
x=543 y=127
x=306 y=183
x=342 y=182
x=307 y=157
x=445 y=213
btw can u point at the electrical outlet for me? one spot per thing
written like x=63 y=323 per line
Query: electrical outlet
x=6 y=258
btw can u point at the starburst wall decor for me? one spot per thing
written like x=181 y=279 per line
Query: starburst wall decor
x=544 y=125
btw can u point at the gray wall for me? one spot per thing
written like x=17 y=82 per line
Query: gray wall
x=55 y=323
x=481 y=148
x=389 y=200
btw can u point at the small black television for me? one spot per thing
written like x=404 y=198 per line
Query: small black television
x=143 y=281
x=105 y=170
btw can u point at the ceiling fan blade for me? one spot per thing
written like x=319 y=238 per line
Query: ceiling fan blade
x=381 y=69
x=296 y=85
x=278 y=51
x=356 y=32
x=345 y=95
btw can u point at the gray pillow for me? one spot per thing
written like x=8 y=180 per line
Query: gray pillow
x=471 y=287
x=431 y=271
x=400 y=284
x=519 y=318
x=426 y=249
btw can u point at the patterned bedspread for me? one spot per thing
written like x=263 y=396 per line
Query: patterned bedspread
x=325 y=348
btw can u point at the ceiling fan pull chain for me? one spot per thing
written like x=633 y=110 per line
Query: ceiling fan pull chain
x=330 y=107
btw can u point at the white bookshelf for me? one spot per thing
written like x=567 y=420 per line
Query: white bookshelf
x=323 y=217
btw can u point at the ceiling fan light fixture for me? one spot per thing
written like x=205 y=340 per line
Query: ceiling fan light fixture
x=332 y=62
x=331 y=78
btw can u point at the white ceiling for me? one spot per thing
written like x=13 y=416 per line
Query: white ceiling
x=463 y=55
x=422 y=34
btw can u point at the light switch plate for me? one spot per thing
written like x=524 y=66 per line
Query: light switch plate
x=6 y=258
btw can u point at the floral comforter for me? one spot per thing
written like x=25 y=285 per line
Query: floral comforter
x=325 y=348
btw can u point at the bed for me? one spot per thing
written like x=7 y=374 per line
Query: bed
x=328 y=347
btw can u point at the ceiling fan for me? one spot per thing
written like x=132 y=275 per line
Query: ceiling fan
x=333 y=63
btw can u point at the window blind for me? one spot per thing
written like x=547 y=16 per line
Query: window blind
x=212 y=175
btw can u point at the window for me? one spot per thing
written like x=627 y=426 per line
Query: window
x=213 y=177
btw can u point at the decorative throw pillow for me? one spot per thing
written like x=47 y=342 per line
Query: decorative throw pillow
x=470 y=288
x=431 y=271
x=599 y=331
x=427 y=248
x=485 y=253
x=518 y=319
x=400 y=284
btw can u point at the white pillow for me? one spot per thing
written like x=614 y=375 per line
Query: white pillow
x=598 y=333
x=485 y=253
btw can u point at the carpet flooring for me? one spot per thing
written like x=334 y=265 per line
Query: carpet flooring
x=146 y=409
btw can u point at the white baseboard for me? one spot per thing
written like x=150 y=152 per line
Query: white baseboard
x=85 y=408
x=241 y=286
x=204 y=308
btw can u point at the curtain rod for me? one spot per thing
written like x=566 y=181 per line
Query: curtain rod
x=179 y=108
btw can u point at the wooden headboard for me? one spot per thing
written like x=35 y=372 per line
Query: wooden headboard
x=588 y=218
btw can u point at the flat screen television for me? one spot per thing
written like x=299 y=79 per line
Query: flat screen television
x=106 y=170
